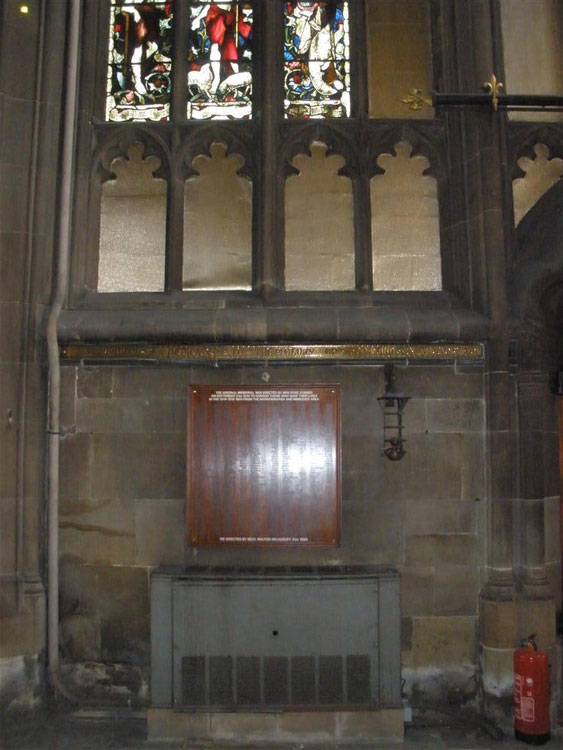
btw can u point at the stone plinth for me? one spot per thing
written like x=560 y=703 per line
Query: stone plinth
x=383 y=727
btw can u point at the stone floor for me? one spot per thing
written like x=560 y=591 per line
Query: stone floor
x=98 y=731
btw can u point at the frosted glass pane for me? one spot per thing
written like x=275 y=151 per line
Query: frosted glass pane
x=319 y=224
x=133 y=226
x=405 y=224
x=217 y=223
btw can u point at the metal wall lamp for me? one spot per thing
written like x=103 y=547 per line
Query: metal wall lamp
x=392 y=404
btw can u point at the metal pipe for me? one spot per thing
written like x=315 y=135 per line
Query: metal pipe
x=514 y=101
x=60 y=287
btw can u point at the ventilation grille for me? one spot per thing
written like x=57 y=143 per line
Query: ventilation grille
x=276 y=681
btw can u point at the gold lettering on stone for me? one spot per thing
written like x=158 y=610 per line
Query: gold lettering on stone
x=272 y=352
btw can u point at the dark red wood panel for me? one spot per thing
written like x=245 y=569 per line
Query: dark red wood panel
x=264 y=465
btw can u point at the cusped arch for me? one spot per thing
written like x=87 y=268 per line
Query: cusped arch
x=422 y=145
x=523 y=139
x=118 y=144
x=337 y=142
x=200 y=141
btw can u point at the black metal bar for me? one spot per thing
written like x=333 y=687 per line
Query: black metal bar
x=514 y=101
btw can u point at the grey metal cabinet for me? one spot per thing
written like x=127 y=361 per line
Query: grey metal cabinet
x=271 y=638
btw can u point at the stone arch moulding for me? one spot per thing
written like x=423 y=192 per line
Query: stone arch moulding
x=115 y=143
x=342 y=142
x=110 y=144
x=426 y=141
x=524 y=136
x=199 y=141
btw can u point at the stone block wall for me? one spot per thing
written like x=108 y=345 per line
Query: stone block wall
x=122 y=506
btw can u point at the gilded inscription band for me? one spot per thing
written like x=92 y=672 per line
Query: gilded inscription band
x=268 y=352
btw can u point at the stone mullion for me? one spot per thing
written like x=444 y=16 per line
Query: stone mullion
x=175 y=220
x=358 y=59
x=175 y=193
x=362 y=224
x=268 y=206
x=179 y=58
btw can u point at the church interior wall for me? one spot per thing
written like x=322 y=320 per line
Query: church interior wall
x=120 y=516
x=453 y=514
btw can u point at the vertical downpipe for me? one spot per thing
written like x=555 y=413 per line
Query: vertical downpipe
x=59 y=293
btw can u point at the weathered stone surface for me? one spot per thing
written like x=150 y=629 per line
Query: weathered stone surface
x=497 y=665
x=119 y=684
x=151 y=382
x=94 y=382
x=442 y=641
x=116 y=595
x=75 y=467
x=375 y=529
x=406 y=634
x=441 y=549
x=417 y=592
x=102 y=532
x=440 y=381
x=160 y=532
x=164 y=724
x=123 y=603
x=79 y=637
x=138 y=466
x=440 y=516
x=8 y=598
x=538 y=616
x=12 y=260
x=498 y=624
x=68 y=399
x=472 y=467
x=8 y=519
x=454 y=415
x=456 y=590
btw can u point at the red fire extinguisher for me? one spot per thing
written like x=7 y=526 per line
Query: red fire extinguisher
x=531 y=693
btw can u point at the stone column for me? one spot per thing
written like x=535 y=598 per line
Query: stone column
x=488 y=214
x=537 y=605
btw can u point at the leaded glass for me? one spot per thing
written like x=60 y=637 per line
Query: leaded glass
x=140 y=60
x=316 y=59
x=220 y=60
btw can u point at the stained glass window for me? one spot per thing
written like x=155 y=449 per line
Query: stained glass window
x=220 y=60
x=140 y=60
x=316 y=59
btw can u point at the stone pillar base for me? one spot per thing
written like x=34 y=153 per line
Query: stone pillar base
x=503 y=623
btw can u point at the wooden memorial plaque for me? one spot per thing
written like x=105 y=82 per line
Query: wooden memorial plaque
x=264 y=465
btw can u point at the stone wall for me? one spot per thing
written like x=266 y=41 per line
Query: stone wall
x=123 y=500
x=30 y=92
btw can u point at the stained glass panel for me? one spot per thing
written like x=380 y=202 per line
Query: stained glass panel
x=316 y=59
x=220 y=60
x=140 y=60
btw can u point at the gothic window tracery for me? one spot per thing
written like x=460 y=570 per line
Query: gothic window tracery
x=231 y=92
